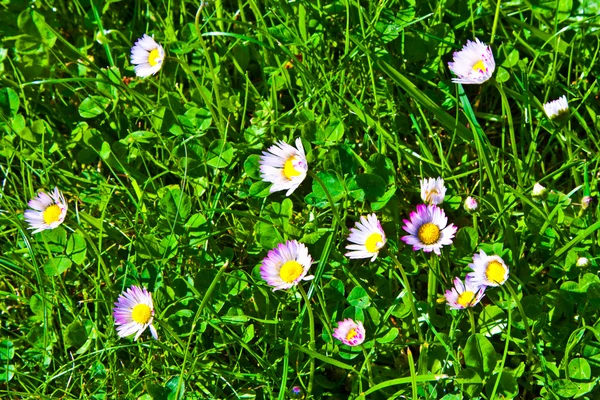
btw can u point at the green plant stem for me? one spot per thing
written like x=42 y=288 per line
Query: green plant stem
x=524 y=317
x=495 y=25
x=472 y=319
x=311 y=345
x=411 y=303
x=214 y=76
x=203 y=303
x=368 y=362
x=504 y=355
x=432 y=282
x=330 y=199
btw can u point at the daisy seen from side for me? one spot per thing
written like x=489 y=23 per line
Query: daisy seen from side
x=284 y=166
x=368 y=238
x=134 y=312
x=557 y=108
x=428 y=229
x=474 y=64
x=286 y=265
x=487 y=270
x=351 y=333
x=147 y=56
x=433 y=190
x=47 y=211
x=471 y=204
x=464 y=295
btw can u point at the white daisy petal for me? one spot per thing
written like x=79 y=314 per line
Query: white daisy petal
x=286 y=265
x=487 y=270
x=134 y=312
x=474 y=64
x=557 y=108
x=284 y=166
x=147 y=56
x=428 y=229
x=368 y=238
x=47 y=211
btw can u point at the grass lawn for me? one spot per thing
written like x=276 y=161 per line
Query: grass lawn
x=240 y=199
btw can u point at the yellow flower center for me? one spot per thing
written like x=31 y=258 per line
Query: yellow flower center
x=466 y=298
x=154 y=57
x=141 y=313
x=288 y=168
x=290 y=271
x=351 y=334
x=479 y=66
x=372 y=243
x=52 y=214
x=495 y=272
x=429 y=233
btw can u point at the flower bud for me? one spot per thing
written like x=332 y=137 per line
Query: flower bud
x=470 y=204
x=583 y=262
x=539 y=191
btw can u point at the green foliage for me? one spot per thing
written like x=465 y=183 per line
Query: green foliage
x=164 y=187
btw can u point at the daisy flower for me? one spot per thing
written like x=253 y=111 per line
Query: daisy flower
x=557 y=108
x=147 y=56
x=464 y=295
x=433 y=190
x=47 y=211
x=487 y=270
x=471 y=204
x=134 y=313
x=349 y=332
x=286 y=265
x=428 y=229
x=284 y=166
x=368 y=236
x=474 y=64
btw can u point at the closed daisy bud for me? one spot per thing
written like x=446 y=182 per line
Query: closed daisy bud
x=471 y=204
x=134 y=312
x=557 y=108
x=368 y=236
x=474 y=64
x=585 y=202
x=487 y=270
x=284 y=166
x=286 y=265
x=47 y=211
x=583 y=262
x=428 y=229
x=349 y=332
x=464 y=295
x=538 y=191
x=147 y=56
x=433 y=190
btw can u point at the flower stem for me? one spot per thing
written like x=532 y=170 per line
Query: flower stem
x=368 y=362
x=524 y=317
x=411 y=303
x=330 y=199
x=472 y=319
x=311 y=345
x=434 y=268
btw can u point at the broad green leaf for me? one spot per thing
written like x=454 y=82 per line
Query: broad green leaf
x=359 y=298
x=579 y=369
x=220 y=154
x=9 y=102
x=7 y=351
x=76 y=248
x=93 y=106
x=565 y=388
x=174 y=203
x=57 y=265
x=480 y=354
x=389 y=336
